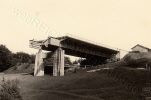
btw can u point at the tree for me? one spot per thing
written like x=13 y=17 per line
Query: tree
x=9 y=59
x=5 y=58
x=67 y=60
x=32 y=58
x=22 y=57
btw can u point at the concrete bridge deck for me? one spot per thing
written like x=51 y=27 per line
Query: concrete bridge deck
x=75 y=46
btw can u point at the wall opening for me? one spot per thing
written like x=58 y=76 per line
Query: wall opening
x=48 y=70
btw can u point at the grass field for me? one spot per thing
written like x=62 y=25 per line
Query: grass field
x=72 y=86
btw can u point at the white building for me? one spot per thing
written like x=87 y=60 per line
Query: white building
x=141 y=48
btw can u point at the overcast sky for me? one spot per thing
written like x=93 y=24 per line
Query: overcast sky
x=118 y=23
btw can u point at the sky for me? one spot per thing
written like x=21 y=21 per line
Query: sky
x=117 y=23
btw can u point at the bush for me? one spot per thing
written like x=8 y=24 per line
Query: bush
x=21 y=57
x=141 y=62
x=9 y=90
x=135 y=60
x=5 y=58
x=9 y=59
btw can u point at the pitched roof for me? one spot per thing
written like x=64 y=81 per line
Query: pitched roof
x=141 y=46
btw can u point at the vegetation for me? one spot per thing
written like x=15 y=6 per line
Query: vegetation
x=136 y=59
x=9 y=59
x=5 y=58
x=9 y=90
x=77 y=86
x=132 y=60
x=138 y=79
x=134 y=63
x=68 y=61
x=21 y=57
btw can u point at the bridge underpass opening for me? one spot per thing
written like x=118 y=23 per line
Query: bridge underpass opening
x=89 y=58
x=48 y=70
x=48 y=63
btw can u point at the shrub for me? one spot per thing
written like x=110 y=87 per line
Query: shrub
x=5 y=58
x=21 y=57
x=135 y=60
x=9 y=90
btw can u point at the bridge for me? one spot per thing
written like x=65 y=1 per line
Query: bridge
x=94 y=52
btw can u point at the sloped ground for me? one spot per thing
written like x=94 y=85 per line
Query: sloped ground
x=136 y=60
x=138 y=78
x=22 y=68
x=73 y=86
x=82 y=85
x=138 y=55
x=132 y=60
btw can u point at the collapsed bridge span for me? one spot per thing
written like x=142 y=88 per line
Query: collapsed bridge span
x=70 y=45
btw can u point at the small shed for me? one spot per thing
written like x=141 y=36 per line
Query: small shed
x=141 y=48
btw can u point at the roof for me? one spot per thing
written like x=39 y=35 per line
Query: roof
x=141 y=46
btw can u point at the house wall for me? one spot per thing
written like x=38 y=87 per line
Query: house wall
x=138 y=48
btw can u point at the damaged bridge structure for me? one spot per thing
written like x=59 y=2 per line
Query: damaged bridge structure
x=95 y=53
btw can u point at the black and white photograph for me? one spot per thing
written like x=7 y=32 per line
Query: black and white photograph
x=75 y=50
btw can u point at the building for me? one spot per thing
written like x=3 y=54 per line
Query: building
x=141 y=48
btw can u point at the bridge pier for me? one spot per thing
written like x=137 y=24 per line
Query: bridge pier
x=58 y=63
x=39 y=66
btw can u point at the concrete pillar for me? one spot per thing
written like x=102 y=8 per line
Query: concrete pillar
x=39 y=67
x=55 y=67
x=61 y=63
x=58 y=63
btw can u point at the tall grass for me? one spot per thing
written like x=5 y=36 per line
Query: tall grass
x=9 y=90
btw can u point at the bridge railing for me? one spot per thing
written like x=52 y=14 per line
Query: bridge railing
x=92 y=42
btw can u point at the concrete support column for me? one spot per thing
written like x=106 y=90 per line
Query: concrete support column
x=39 y=67
x=58 y=62
x=62 y=63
